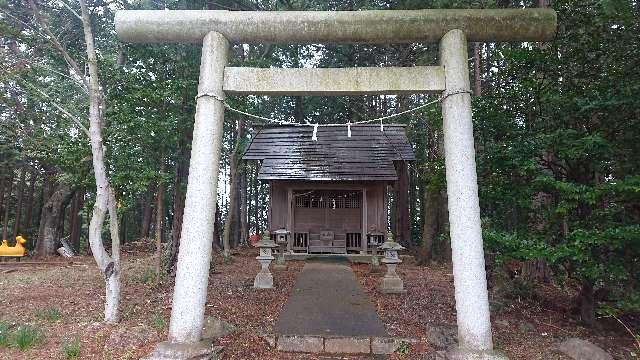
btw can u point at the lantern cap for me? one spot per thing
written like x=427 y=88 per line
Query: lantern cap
x=390 y=244
x=266 y=241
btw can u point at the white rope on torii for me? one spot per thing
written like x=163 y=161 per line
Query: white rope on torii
x=316 y=125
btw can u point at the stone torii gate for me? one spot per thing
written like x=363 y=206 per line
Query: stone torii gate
x=215 y=29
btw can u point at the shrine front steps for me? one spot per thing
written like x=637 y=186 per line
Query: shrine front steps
x=356 y=345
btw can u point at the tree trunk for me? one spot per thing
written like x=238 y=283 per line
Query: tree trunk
x=76 y=220
x=105 y=198
x=147 y=211
x=178 y=207
x=256 y=198
x=27 y=222
x=587 y=303
x=18 y=213
x=50 y=218
x=477 y=71
x=216 y=227
x=431 y=208
x=402 y=234
x=159 y=215
x=7 y=205
x=231 y=221
x=231 y=213
x=2 y=188
x=244 y=224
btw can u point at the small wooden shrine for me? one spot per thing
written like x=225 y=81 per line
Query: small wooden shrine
x=329 y=185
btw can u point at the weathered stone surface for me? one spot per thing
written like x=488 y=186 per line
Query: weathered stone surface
x=441 y=337
x=130 y=337
x=347 y=345
x=396 y=26
x=327 y=300
x=203 y=350
x=467 y=254
x=271 y=339
x=194 y=257
x=384 y=345
x=468 y=354
x=579 y=349
x=333 y=81
x=295 y=343
x=215 y=328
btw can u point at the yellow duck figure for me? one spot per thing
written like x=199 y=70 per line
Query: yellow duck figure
x=17 y=250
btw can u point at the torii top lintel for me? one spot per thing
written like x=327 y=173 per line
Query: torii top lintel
x=304 y=27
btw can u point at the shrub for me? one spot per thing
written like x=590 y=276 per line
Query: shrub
x=71 y=348
x=27 y=336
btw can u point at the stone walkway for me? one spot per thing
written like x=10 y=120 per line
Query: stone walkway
x=329 y=312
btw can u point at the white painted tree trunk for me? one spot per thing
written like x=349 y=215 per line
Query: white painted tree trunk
x=105 y=198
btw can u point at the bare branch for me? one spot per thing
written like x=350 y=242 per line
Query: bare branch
x=54 y=41
x=75 y=119
x=71 y=10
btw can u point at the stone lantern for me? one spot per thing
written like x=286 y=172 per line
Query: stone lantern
x=391 y=282
x=264 y=279
x=282 y=240
x=374 y=240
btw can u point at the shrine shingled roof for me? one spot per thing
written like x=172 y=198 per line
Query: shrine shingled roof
x=290 y=153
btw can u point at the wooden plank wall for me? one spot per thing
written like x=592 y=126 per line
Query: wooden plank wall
x=376 y=211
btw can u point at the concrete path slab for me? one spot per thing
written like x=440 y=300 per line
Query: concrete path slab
x=327 y=301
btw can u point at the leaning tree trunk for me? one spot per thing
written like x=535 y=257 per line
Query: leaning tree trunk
x=105 y=201
x=50 y=218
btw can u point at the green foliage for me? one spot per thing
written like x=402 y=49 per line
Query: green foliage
x=27 y=336
x=558 y=156
x=5 y=338
x=403 y=348
x=50 y=315
x=71 y=348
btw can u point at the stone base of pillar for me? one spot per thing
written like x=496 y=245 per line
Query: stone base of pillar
x=203 y=350
x=457 y=353
x=392 y=285
x=264 y=280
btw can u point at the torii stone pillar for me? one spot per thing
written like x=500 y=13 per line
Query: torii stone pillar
x=467 y=254
x=192 y=271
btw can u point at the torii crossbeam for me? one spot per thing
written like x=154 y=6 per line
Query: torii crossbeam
x=216 y=28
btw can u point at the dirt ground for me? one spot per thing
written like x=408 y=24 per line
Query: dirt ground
x=522 y=329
